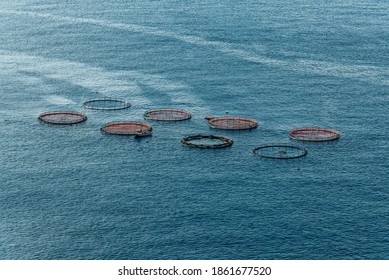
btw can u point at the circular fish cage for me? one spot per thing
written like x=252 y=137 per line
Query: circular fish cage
x=137 y=129
x=231 y=123
x=207 y=141
x=280 y=151
x=62 y=118
x=314 y=134
x=167 y=115
x=107 y=104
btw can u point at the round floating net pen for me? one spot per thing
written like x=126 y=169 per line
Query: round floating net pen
x=207 y=141
x=107 y=104
x=231 y=123
x=167 y=115
x=62 y=118
x=127 y=128
x=280 y=151
x=314 y=134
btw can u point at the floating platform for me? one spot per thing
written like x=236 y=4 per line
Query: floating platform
x=207 y=141
x=231 y=123
x=62 y=118
x=128 y=128
x=167 y=115
x=107 y=104
x=314 y=134
x=280 y=151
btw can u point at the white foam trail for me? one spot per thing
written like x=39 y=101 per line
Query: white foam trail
x=370 y=74
x=193 y=40
x=92 y=78
x=58 y=100
x=366 y=73
x=117 y=84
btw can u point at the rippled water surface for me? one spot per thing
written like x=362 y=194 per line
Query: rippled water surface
x=75 y=193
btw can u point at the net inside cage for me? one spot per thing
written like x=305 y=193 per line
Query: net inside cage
x=231 y=123
x=280 y=151
x=167 y=115
x=314 y=134
x=127 y=128
x=207 y=141
x=107 y=104
x=62 y=118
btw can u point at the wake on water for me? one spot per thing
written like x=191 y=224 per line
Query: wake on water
x=364 y=73
x=118 y=84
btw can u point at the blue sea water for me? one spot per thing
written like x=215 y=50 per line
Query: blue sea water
x=75 y=193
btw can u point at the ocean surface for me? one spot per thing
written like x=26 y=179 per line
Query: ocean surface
x=71 y=192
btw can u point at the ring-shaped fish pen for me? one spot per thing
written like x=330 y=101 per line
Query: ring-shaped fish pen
x=107 y=104
x=127 y=128
x=280 y=151
x=62 y=118
x=314 y=134
x=167 y=115
x=207 y=141
x=231 y=123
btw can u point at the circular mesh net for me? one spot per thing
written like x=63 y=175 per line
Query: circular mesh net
x=231 y=123
x=280 y=151
x=167 y=115
x=207 y=141
x=315 y=134
x=127 y=128
x=107 y=104
x=62 y=118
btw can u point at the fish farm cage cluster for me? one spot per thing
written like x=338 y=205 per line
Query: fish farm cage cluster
x=205 y=141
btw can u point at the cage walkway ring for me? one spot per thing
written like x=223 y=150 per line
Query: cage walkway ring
x=314 y=134
x=207 y=141
x=62 y=118
x=231 y=123
x=167 y=115
x=280 y=151
x=107 y=104
x=137 y=129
